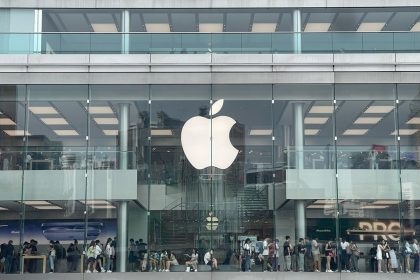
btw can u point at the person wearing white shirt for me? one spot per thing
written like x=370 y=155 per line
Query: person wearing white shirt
x=344 y=257
x=247 y=255
x=209 y=260
x=416 y=252
x=265 y=253
x=98 y=253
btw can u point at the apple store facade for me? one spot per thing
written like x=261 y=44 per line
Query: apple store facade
x=205 y=148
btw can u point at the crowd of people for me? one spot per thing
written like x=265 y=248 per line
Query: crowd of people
x=306 y=255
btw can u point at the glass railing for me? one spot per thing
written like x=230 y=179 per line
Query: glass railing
x=191 y=43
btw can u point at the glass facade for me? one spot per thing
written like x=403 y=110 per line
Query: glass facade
x=178 y=167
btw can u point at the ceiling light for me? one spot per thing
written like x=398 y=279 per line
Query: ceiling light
x=95 y=202
x=355 y=131
x=371 y=26
x=363 y=120
x=325 y=201
x=7 y=122
x=3 y=209
x=66 y=132
x=415 y=120
x=317 y=27
x=100 y=110
x=161 y=132
x=321 y=110
x=48 y=207
x=110 y=132
x=379 y=109
x=416 y=27
x=106 y=120
x=103 y=206
x=264 y=27
x=405 y=132
x=104 y=27
x=36 y=202
x=374 y=207
x=16 y=132
x=386 y=202
x=315 y=120
x=210 y=27
x=158 y=27
x=311 y=131
x=320 y=206
x=44 y=110
x=260 y=132
x=54 y=121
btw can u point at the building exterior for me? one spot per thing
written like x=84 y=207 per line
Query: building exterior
x=200 y=124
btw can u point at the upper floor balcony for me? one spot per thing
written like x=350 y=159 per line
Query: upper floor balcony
x=197 y=43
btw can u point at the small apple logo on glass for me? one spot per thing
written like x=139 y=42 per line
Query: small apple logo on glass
x=206 y=141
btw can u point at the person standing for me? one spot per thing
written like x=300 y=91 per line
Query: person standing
x=379 y=254
x=9 y=252
x=108 y=255
x=344 y=256
x=247 y=255
x=51 y=257
x=416 y=252
x=328 y=254
x=407 y=255
x=276 y=256
x=301 y=253
x=316 y=255
x=308 y=255
x=265 y=254
x=287 y=253
x=354 y=259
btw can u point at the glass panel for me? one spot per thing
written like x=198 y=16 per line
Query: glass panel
x=226 y=44
x=316 y=42
x=408 y=121
x=241 y=182
x=368 y=177
x=54 y=179
x=117 y=195
x=12 y=165
x=304 y=164
x=179 y=190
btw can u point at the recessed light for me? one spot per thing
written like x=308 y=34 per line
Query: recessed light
x=371 y=26
x=379 y=109
x=319 y=109
x=386 y=202
x=103 y=206
x=320 y=206
x=367 y=120
x=416 y=27
x=54 y=121
x=374 y=207
x=106 y=120
x=317 y=27
x=66 y=132
x=264 y=27
x=7 y=122
x=315 y=120
x=43 y=110
x=161 y=132
x=311 y=131
x=16 y=132
x=158 y=27
x=104 y=27
x=35 y=202
x=95 y=202
x=405 y=132
x=100 y=110
x=3 y=209
x=355 y=131
x=210 y=27
x=48 y=207
x=327 y=201
x=415 y=120
x=110 y=132
x=260 y=132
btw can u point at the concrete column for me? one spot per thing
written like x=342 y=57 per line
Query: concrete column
x=297 y=30
x=286 y=144
x=122 y=227
x=38 y=30
x=300 y=219
x=126 y=29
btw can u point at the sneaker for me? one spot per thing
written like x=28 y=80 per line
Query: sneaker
x=88 y=271
x=109 y=271
x=103 y=270
x=95 y=271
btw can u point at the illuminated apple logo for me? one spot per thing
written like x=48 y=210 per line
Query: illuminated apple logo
x=206 y=141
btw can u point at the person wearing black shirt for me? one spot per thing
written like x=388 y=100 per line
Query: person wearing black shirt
x=8 y=253
x=287 y=253
x=301 y=252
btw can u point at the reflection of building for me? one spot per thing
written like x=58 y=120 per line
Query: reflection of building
x=325 y=100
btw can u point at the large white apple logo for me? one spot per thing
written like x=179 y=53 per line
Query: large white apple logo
x=206 y=141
